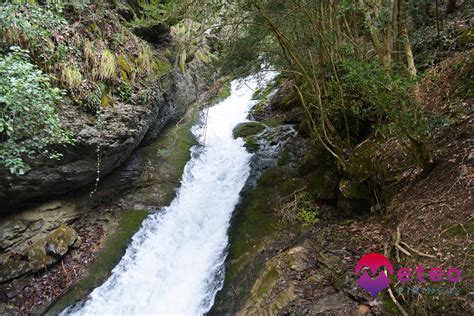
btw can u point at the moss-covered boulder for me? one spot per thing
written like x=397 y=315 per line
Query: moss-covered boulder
x=323 y=184
x=40 y=255
x=60 y=240
x=248 y=129
x=251 y=144
x=322 y=174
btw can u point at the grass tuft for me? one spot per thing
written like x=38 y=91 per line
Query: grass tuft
x=145 y=60
x=89 y=53
x=106 y=67
x=71 y=77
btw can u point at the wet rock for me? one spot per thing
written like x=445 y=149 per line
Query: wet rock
x=59 y=241
x=248 y=129
x=40 y=255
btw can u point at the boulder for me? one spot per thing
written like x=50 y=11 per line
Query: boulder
x=40 y=255
x=248 y=129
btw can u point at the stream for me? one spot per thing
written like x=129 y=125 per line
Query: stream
x=175 y=263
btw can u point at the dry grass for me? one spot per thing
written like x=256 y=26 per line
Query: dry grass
x=71 y=77
x=106 y=67
x=89 y=53
x=145 y=60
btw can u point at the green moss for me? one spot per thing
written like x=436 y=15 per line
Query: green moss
x=200 y=55
x=160 y=66
x=262 y=94
x=125 y=65
x=248 y=129
x=251 y=144
x=223 y=93
x=267 y=282
x=274 y=121
x=255 y=220
x=360 y=165
x=284 y=158
x=258 y=108
x=112 y=250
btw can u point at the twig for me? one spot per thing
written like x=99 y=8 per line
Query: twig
x=416 y=251
x=398 y=247
x=400 y=308
x=65 y=272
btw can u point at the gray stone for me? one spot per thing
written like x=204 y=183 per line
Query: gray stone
x=40 y=255
x=124 y=127
x=331 y=303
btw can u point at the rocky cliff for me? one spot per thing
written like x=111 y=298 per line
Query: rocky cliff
x=123 y=87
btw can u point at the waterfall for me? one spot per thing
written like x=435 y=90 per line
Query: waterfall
x=175 y=263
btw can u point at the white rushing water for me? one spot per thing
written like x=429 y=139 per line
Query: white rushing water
x=174 y=264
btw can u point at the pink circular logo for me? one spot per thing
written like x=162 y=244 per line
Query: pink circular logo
x=380 y=281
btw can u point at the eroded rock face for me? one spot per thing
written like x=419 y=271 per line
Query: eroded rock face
x=40 y=255
x=123 y=128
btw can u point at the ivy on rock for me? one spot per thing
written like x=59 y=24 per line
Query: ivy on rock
x=28 y=119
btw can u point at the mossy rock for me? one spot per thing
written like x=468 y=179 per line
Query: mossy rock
x=112 y=250
x=323 y=184
x=248 y=129
x=360 y=166
x=353 y=190
x=251 y=144
x=322 y=173
x=264 y=284
x=274 y=121
x=125 y=65
x=223 y=93
x=263 y=93
x=41 y=254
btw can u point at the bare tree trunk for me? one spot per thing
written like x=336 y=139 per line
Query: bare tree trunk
x=406 y=41
x=451 y=8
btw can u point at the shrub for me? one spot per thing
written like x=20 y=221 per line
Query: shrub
x=32 y=26
x=383 y=98
x=308 y=217
x=28 y=120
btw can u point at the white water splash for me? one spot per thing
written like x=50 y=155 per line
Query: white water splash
x=175 y=262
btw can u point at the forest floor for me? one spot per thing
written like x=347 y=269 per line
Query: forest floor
x=277 y=266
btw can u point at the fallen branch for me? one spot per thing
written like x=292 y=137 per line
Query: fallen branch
x=400 y=308
x=416 y=251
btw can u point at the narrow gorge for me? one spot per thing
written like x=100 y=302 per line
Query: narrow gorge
x=248 y=157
